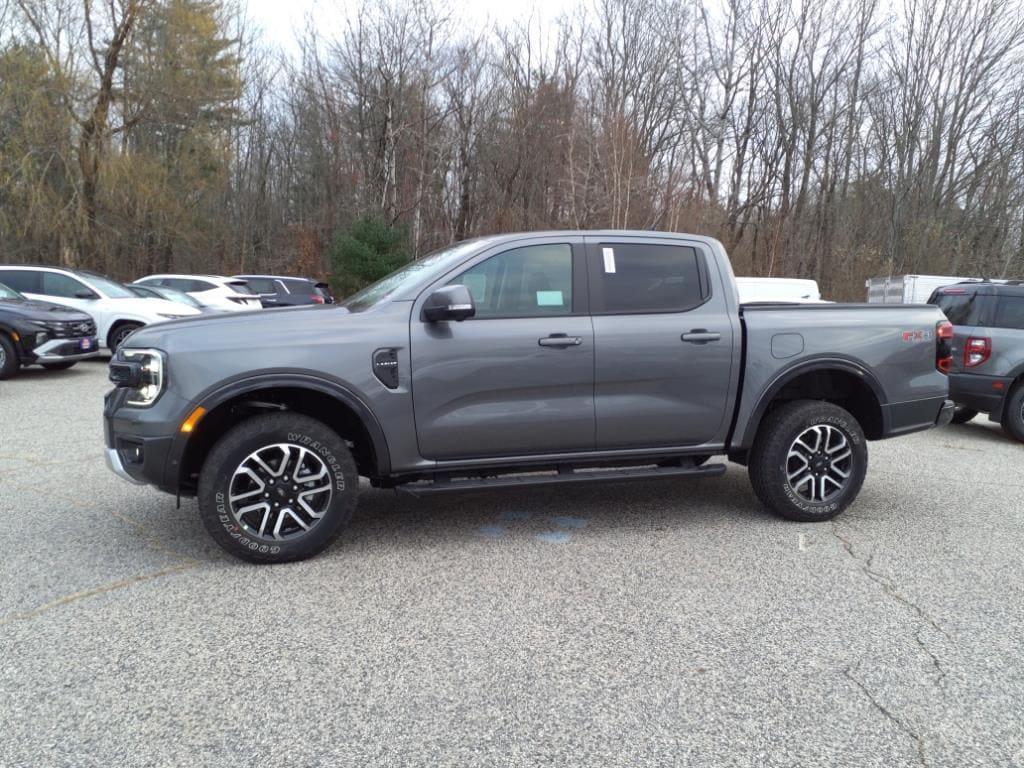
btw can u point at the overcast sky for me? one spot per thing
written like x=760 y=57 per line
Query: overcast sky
x=281 y=19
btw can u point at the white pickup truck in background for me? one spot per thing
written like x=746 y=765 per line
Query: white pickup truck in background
x=786 y=289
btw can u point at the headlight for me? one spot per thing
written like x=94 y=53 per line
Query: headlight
x=171 y=317
x=151 y=377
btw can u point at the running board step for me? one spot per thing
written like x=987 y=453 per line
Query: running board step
x=562 y=478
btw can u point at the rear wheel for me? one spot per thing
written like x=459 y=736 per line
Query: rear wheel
x=59 y=366
x=1013 y=415
x=962 y=414
x=9 y=363
x=277 y=488
x=808 y=461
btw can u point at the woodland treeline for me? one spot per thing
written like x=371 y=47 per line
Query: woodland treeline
x=833 y=139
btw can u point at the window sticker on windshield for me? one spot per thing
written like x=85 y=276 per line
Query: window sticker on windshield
x=609 y=260
x=550 y=299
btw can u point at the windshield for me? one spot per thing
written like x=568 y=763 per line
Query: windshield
x=436 y=263
x=9 y=293
x=109 y=287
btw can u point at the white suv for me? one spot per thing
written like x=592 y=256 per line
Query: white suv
x=116 y=310
x=220 y=292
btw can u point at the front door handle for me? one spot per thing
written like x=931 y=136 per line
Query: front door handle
x=700 y=336
x=560 y=340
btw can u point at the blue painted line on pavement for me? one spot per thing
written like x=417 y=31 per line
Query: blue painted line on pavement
x=555 y=537
x=514 y=514
x=492 y=531
x=567 y=521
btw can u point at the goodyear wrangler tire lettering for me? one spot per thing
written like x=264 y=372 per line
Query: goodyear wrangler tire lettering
x=809 y=460
x=276 y=488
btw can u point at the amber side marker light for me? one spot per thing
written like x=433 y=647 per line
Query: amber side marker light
x=190 y=423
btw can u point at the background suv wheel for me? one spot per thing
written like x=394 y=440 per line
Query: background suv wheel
x=1013 y=415
x=8 y=358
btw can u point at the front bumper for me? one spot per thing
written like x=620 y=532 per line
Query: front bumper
x=65 y=350
x=117 y=467
x=141 y=443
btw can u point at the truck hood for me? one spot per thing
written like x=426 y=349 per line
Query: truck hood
x=234 y=329
x=41 y=310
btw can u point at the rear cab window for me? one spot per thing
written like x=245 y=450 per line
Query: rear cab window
x=646 y=278
x=961 y=307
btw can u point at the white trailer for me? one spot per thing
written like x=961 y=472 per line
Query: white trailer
x=909 y=289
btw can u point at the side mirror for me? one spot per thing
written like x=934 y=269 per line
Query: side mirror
x=85 y=293
x=453 y=302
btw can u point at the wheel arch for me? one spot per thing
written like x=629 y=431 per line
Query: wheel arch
x=836 y=380
x=116 y=323
x=332 y=403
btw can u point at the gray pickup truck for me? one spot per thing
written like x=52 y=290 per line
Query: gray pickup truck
x=515 y=360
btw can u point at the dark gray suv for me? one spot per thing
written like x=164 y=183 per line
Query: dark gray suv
x=530 y=359
x=988 y=351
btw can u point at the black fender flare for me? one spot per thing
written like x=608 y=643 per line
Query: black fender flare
x=341 y=391
x=831 y=363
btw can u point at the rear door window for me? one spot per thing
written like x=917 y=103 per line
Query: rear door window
x=641 y=278
x=261 y=284
x=22 y=280
x=1010 y=313
x=62 y=286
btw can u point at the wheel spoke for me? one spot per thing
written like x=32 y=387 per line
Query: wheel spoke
x=808 y=477
x=819 y=462
x=288 y=508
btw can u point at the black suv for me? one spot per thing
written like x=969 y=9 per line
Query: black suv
x=277 y=291
x=39 y=333
x=988 y=351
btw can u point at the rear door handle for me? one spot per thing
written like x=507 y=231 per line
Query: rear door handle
x=700 y=336
x=560 y=340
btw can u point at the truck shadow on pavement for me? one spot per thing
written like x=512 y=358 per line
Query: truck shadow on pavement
x=387 y=521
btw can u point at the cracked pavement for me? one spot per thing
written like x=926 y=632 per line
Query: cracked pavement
x=665 y=622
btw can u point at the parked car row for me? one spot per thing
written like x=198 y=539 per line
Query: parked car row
x=34 y=298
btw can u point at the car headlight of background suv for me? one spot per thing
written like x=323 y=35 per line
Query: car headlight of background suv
x=153 y=375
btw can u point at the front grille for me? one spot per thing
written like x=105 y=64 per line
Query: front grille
x=71 y=329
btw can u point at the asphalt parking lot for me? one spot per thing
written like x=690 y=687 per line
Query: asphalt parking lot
x=640 y=624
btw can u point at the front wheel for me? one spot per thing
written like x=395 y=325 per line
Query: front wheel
x=277 y=488
x=808 y=461
x=9 y=363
